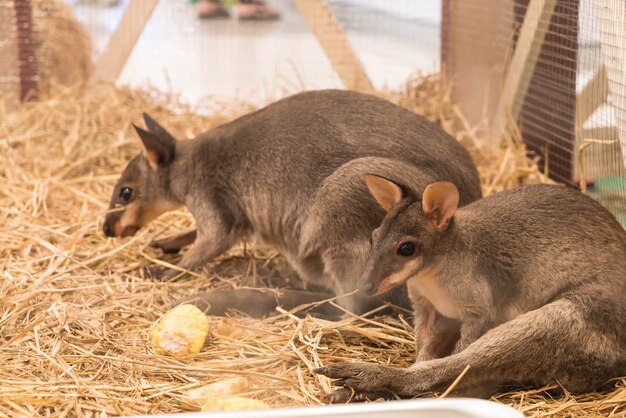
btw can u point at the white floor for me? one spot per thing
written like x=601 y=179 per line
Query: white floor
x=262 y=60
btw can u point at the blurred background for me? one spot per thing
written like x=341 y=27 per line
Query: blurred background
x=258 y=59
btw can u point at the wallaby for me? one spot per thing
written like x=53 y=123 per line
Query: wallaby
x=289 y=175
x=527 y=286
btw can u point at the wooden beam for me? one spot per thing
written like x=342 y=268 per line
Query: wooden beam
x=592 y=96
x=612 y=22
x=111 y=63
x=333 y=40
x=603 y=133
x=522 y=66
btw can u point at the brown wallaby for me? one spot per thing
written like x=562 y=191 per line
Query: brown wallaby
x=527 y=286
x=289 y=175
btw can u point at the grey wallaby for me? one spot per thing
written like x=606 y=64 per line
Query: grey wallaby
x=527 y=286
x=288 y=175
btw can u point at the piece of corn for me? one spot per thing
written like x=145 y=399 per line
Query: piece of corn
x=180 y=332
x=219 y=389
x=233 y=404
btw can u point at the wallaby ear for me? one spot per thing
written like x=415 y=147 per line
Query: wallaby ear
x=158 y=147
x=387 y=193
x=439 y=203
x=154 y=127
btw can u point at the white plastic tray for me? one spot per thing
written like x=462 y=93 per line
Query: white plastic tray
x=419 y=408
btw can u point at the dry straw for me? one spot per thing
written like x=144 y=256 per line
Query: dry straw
x=75 y=307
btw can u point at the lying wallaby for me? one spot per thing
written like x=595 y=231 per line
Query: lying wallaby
x=527 y=286
x=289 y=175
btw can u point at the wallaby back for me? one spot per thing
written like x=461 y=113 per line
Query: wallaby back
x=537 y=242
x=276 y=158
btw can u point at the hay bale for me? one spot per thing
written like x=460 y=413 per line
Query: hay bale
x=76 y=308
x=63 y=47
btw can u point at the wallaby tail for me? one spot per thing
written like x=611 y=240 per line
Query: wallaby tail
x=261 y=302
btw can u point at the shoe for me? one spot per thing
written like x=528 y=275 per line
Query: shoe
x=257 y=10
x=211 y=9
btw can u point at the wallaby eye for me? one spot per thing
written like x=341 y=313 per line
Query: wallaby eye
x=406 y=249
x=126 y=194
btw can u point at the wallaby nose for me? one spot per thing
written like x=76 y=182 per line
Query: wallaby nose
x=108 y=231
x=368 y=287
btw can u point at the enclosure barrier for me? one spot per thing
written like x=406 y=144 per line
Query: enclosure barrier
x=556 y=67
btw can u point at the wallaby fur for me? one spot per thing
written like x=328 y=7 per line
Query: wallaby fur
x=289 y=175
x=527 y=286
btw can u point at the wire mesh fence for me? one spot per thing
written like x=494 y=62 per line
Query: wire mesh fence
x=601 y=105
x=557 y=67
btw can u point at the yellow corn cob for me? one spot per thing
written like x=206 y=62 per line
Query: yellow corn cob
x=181 y=331
x=233 y=404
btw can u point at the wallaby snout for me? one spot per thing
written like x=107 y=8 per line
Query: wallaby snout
x=384 y=277
x=368 y=285
x=113 y=227
x=107 y=230
x=380 y=277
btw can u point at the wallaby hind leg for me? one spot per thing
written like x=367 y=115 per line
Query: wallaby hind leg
x=174 y=244
x=261 y=302
x=557 y=342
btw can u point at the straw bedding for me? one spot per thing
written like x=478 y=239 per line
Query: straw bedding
x=75 y=307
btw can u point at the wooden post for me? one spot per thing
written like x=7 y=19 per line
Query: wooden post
x=475 y=39
x=333 y=40
x=9 y=69
x=26 y=48
x=112 y=61
x=522 y=67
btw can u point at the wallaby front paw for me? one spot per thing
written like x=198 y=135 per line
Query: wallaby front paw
x=155 y=272
x=173 y=245
x=168 y=246
x=347 y=395
x=161 y=274
x=362 y=377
